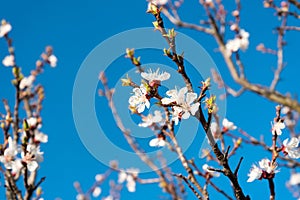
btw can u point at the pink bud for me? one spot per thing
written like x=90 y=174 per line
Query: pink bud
x=234 y=27
x=284 y=4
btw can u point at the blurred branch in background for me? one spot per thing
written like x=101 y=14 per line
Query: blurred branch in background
x=20 y=152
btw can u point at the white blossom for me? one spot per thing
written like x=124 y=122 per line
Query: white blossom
x=255 y=173
x=139 y=100
x=184 y=103
x=9 y=154
x=215 y=130
x=155 y=77
x=265 y=165
x=232 y=46
x=159 y=141
x=152 y=119
x=214 y=127
x=159 y=2
x=277 y=127
x=175 y=96
x=96 y=192
x=291 y=148
x=16 y=166
x=52 y=60
x=265 y=168
x=244 y=39
x=26 y=82
x=130 y=184
x=239 y=42
x=80 y=197
x=176 y=114
x=40 y=137
x=285 y=110
x=32 y=122
x=130 y=177
x=122 y=176
x=9 y=61
x=32 y=157
x=295 y=179
x=206 y=167
x=4 y=28
x=99 y=177
x=228 y=125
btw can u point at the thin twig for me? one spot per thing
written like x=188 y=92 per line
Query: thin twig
x=186 y=180
x=280 y=64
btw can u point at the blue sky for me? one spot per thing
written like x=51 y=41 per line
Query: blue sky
x=75 y=28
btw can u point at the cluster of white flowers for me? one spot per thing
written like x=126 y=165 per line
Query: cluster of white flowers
x=35 y=127
x=277 y=127
x=185 y=103
x=155 y=77
x=52 y=59
x=228 y=125
x=291 y=147
x=159 y=141
x=152 y=119
x=241 y=41
x=129 y=176
x=294 y=179
x=265 y=170
x=9 y=61
x=5 y=28
x=31 y=156
x=27 y=82
x=8 y=158
x=140 y=99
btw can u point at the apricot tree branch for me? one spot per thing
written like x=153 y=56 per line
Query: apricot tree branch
x=108 y=94
x=263 y=91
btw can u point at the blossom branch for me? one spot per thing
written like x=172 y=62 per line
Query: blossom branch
x=170 y=38
x=108 y=94
x=222 y=158
x=274 y=96
x=27 y=165
x=292 y=163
